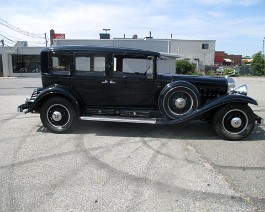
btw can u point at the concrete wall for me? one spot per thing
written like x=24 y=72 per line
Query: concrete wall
x=192 y=50
x=153 y=45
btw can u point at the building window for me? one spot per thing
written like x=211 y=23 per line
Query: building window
x=26 y=63
x=205 y=46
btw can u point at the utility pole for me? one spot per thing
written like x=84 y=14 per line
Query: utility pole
x=46 y=41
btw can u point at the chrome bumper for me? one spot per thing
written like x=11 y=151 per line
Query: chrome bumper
x=25 y=106
x=29 y=101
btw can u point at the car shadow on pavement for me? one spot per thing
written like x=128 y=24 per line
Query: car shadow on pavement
x=196 y=130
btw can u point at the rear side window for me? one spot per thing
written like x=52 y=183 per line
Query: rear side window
x=61 y=63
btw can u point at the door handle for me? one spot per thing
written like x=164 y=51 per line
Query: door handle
x=105 y=82
x=112 y=82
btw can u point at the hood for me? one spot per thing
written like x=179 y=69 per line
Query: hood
x=193 y=78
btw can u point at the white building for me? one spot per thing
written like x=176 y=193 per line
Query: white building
x=197 y=51
x=20 y=60
x=25 y=61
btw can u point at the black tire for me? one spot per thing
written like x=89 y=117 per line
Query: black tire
x=58 y=115
x=178 y=100
x=234 y=121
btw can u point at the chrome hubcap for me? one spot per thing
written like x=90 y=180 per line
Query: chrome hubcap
x=180 y=103
x=236 y=122
x=57 y=116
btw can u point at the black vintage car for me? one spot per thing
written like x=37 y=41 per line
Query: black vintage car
x=125 y=85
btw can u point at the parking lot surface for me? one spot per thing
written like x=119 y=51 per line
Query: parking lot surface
x=126 y=167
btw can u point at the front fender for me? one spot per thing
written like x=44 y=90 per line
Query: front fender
x=56 y=90
x=232 y=98
x=211 y=105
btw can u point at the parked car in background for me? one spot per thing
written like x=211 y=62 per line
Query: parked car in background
x=220 y=70
x=124 y=85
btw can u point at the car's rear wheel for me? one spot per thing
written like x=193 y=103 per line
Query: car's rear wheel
x=234 y=121
x=178 y=100
x=58 y=114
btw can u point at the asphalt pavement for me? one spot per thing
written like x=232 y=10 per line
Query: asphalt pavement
x=126 y=167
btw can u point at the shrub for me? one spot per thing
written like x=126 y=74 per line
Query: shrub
x=183 y=67
x=258 y=64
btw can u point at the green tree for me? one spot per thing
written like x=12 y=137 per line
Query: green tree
x=183 y=67
x=258 y=64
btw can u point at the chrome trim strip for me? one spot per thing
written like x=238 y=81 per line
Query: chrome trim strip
x=119 y=119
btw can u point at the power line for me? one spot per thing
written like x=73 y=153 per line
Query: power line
x=8 y=38
x=10 y=26
x=11 y=37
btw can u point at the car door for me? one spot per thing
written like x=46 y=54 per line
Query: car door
x=89 y=79
x=134 y=85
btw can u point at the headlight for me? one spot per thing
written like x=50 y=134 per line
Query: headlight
x=242 y=89
x=231 y=85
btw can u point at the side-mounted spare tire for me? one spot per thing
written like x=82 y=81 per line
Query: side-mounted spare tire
x=58 y=114
x=178 y=99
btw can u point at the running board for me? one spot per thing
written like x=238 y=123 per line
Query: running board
x=119 y=119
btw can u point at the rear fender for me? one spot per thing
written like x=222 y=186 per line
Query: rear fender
x=56 y=90
x=212 y=105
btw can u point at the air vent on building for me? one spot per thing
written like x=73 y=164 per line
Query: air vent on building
x=21 y=44
x=135 y=36
x=104 y=35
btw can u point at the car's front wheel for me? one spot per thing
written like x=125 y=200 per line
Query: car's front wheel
x=58 y=114
x=234 y=121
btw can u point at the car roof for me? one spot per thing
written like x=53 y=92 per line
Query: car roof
x=105 y=49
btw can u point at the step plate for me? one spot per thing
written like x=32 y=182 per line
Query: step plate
x=119 y=119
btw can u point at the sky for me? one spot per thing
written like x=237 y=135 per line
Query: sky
x=238 y=26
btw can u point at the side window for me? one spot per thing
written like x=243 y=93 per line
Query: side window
x=82 y=63
x=89 y=63
x=139 y=66
x=61 y=63
x=99 y=63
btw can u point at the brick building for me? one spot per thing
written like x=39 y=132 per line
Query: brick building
x=222 y=58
